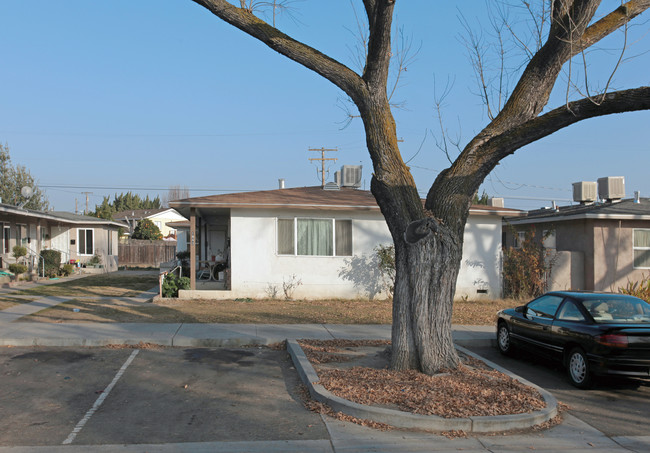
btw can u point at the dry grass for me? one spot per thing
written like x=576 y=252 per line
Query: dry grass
x=8 y=301
x=118 y=284
x=480 y=312
x=226 y=311
x=252 y=311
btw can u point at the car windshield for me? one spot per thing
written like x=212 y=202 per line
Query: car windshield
x=609 y=311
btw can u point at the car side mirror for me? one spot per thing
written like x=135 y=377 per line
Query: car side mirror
x=520 y=309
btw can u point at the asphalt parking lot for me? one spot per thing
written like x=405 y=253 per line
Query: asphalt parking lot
x=54 y=396
x=614 y=406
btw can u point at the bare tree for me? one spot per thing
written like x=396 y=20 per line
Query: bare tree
x=429 y=239
x=176 y=193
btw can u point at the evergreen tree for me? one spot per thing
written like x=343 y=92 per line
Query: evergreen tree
x=13 y=179
x=146 y=229
x=124 y=202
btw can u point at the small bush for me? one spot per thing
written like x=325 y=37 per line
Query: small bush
x=184 y=258
x=19 y=251
x=146 y=229
x=172 y=284
x=525 y=269
x=67 y=269
x=638 y=289
x=18 y=268
x=52 y=260
x=386 y=263
x=95 y=260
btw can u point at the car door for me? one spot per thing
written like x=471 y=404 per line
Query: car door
x=534 y=326
x=569 y=326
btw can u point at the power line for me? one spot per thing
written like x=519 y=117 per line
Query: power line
x=66 y=186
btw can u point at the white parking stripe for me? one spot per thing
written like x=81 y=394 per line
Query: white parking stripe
x=101 y=399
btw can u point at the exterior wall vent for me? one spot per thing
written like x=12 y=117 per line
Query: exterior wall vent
x=351 y=176
x=611 y=188
x=496 y=202
x=585 y=191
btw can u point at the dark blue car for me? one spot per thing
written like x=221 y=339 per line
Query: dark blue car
x=592 y=333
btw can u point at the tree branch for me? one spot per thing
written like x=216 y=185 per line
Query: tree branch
x=610 y=23
x=615 y=102
x=337 y=73
x=380 y=15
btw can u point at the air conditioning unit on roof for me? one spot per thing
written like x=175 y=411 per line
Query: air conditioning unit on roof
x=350 y=176
x=611 y=188
x=584 y=191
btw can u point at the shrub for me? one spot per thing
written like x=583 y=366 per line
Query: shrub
x=67 y=269
x=95 y=260
x=638 y=289
x=146 y=229
x=19 y=251
x=525 y=269
x=172 y=284
x=386 y=263
x=18 y=268
x=52 y=261
x=184 y=258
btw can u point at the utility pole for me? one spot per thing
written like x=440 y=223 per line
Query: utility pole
x=322 y=159
x=87 y=193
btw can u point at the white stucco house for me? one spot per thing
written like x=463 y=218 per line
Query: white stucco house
x=159 y=217
x=247 y=244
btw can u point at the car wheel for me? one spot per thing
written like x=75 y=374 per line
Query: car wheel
x=578 y=368
x=503 y=339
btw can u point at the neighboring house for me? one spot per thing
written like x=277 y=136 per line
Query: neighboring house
x=77 y=237
x=597 y=246
x=325 y=239
x=160 y=218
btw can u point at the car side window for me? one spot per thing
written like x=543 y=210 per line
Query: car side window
x=570 y=312
x=544 y=307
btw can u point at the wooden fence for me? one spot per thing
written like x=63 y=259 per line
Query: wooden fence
x=145 y=253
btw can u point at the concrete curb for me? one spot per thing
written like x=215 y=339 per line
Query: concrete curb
x=408 y=420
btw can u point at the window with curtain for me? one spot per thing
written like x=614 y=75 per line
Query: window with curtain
x=314 y=237
x=642 y=249
x=85 y=241
x=343 y=237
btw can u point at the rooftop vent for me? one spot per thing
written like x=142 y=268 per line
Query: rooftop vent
x=585 y=192
x=331 y=186
x=611 y=188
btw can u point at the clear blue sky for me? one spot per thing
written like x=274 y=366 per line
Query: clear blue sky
x=107 y=96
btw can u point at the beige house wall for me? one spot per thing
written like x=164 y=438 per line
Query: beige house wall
x=590 y=254
x=103 y=247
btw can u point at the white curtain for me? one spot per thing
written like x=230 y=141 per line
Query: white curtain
x=642 y=240
x=315 y=237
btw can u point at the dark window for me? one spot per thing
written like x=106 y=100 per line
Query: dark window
x=86 y=243
x=545 y=306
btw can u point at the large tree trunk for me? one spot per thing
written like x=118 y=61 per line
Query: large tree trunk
x=427 y=251
x=422 y=306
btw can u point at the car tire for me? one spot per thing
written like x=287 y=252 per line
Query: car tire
x=504 y=342
x=578 y=368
